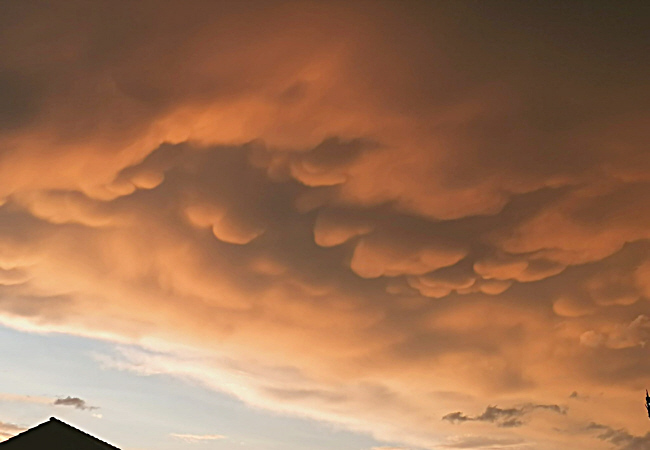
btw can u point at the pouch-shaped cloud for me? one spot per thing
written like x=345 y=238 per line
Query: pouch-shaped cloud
x=387 y=255
x=374 y=202
x=636 y=333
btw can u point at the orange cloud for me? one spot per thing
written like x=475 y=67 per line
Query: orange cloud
x=371 y=214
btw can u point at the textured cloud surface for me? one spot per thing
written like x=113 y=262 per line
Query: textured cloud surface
x=370 y=213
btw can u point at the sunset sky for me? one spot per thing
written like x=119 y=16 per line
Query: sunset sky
x=326 y=225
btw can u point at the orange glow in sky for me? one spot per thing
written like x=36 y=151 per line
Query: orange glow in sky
x=425 y=222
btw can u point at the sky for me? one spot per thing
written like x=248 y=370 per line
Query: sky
x=360 y=225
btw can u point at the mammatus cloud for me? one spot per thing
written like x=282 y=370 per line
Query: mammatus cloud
x=336 y=207
x=75 y=402
x=197 y=437
x=508 y=417
x=8 y=430
x=634 y=334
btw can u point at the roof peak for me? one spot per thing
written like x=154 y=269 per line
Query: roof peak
x=65 y=426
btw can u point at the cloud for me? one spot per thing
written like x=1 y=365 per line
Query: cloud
x=620 y=438
x=388 y=448
x=508 y=417
x=192 y=438
x=8 y=430
x=634 y=334
x=578 y=396
x=75 y=402
x=6 y=397
x=284 y=283
x=483 y=442
x=397 y=194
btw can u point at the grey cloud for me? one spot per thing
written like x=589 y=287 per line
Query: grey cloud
x=457 y=417
x=75 y=402
x=620 y=438
x=578 y=396
x=503 y=417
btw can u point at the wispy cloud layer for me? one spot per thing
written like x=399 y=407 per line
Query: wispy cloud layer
x=197 y=437
x=621 y=438
x=503 y=417
x=8 y=430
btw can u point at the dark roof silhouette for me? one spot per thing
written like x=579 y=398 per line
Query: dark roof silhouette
x=55 y=434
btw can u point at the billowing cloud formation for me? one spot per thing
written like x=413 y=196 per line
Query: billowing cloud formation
x=379 y=212
x=75 y=402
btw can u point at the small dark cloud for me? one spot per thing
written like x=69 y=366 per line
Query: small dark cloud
x=502 y=417
x=511 y=423
x=457 y=417
x=75 y=402
x=575 y=395
x=621 y=438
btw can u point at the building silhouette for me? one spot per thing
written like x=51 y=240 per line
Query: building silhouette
x=55 y=434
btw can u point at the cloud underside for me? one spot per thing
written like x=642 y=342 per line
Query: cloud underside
x=375 y=227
